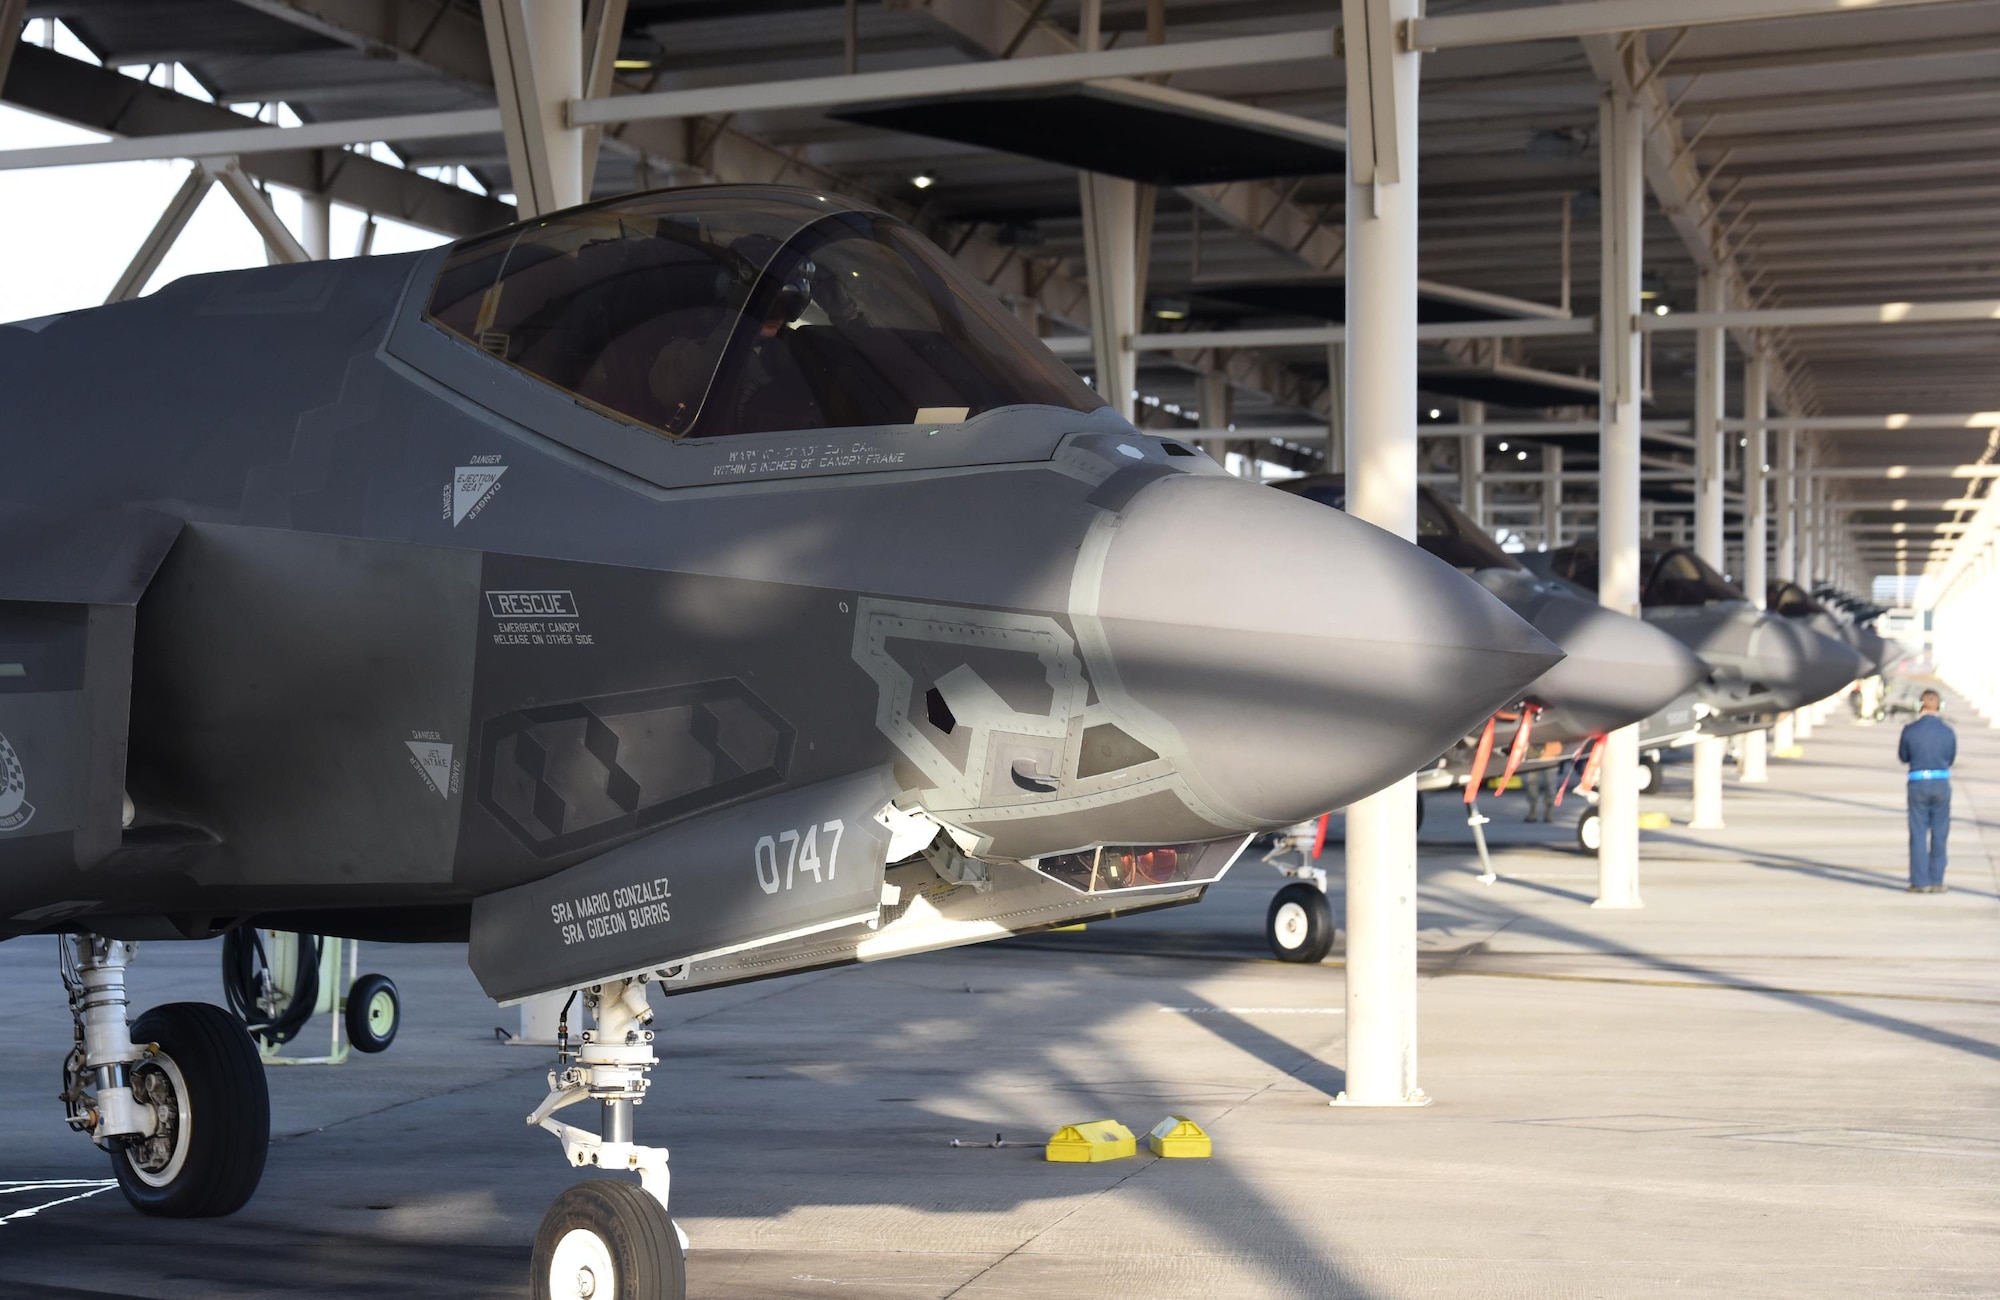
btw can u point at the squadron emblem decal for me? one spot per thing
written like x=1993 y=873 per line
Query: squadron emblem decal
x=15 y=810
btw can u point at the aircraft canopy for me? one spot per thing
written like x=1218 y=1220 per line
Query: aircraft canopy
x=724 y=310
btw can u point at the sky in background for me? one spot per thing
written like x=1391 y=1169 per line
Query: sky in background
x=66 y=233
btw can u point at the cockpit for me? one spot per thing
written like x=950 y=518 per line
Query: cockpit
x=706 y=312
x=1673 y=576
x=1790 y=600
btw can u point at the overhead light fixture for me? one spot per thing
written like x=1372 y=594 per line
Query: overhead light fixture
x=1171 y=309
x=923 y=180
x=631 y=65
x=1503 y=446
x=1662 y=309
x=1436 y=413
x=1520 y=455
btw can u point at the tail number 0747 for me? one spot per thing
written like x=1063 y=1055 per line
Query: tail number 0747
x=800 y=852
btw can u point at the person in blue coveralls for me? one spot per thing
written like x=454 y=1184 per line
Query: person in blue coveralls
x=1930 y=747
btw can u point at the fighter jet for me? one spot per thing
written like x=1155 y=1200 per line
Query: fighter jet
x=1616 y=670
x=1853 y=623
x=1759 y=664
x=692 y=587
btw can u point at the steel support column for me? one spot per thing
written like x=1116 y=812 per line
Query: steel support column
x=1217 y=409
x=160 y=241
x=1788 y=506
x=1756 y=530
x=1710 y=462
x=537 y=52
x=1552 y=496
x=1382 y=489
x=316 y=226
x=1621 y=138
x=1472 y=462
x=279 y=242
x=1336 y=404
x=13 y=17
x=1111 y=259
x=1809 y=490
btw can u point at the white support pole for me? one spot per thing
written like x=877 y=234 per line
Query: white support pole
x=537 y=52
x=1336 y=404
x=1111 y=260
x=1552 y=496
x=1710 y=461
x=1621 y=140
x=1811 y=493
x=173 y=220
x=316 y=226
x=13 y=17
x=1382 y=489
x=1756 y=529
x=1472 y=462
x=603 y=25
x=1756 y=513
x=1217 y=409
x=279 y=241
x=1788 y=506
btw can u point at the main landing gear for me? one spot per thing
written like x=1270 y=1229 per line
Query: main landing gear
x=177 y=1098
x=607 y=1239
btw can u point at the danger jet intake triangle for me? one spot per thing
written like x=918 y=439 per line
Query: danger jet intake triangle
x=470 y=485
x=434 y=761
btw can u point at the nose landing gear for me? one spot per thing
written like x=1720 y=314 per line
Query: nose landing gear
x=607 y=1239
x=1299 y=923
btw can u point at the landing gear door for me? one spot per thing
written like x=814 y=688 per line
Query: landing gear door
x=791 y=864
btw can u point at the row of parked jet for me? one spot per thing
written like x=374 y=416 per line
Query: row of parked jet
x=688 y=588
x=1701 y=661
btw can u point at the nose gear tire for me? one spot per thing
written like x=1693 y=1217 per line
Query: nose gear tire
x=373 y=1012
x=1299 y=924
x=206 y=1085
x=1649 y=775
x=1589 y=835
x=602 y=1227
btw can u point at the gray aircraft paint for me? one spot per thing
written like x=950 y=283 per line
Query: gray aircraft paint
x=285 y=503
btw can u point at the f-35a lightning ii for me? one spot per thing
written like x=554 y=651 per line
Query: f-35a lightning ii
x=1759 y=663
x=693 y=587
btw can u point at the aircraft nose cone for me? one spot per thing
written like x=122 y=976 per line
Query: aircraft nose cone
x=1616 y=669
x=1297 y=657
x=1799 y=664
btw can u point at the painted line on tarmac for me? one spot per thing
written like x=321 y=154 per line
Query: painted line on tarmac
x=92 y=1187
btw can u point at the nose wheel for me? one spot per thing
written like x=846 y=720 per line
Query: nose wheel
x=1299 y=924
x=608 y=1240
x=1589 y=834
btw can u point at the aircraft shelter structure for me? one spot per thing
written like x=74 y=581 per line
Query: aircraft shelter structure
x=1720 y=272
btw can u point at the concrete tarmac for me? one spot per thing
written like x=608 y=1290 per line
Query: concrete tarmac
x=1777 y=1079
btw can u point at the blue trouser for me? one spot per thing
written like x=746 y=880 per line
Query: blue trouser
x=1930 y=822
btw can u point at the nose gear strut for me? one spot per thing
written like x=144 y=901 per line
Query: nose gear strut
x=608 y=1066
